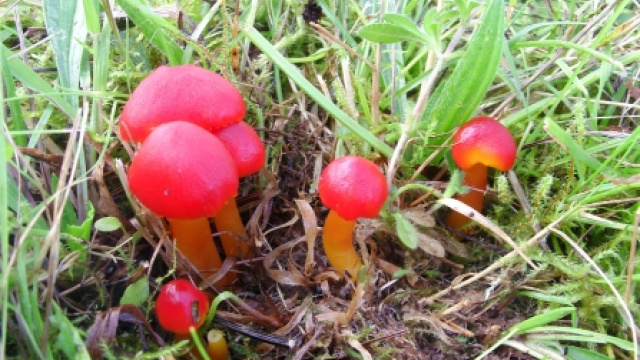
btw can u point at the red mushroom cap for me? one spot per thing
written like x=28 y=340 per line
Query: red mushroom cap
x=185 y=92
x=353 y=187
x=244 y=146
x=182 y=171
x=486 y=141
x=180 y=305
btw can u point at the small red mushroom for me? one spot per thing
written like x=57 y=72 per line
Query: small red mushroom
x=247 y=150
x=184 y=92
x=184 y=173
x=181 y=306
x=480 y=143
x=351 y=187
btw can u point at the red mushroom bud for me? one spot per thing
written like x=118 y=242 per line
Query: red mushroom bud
x=180 y=306
x=247 y=151
x=185 y=92
x=185 y=173
x=351 y=187
x=481 y=142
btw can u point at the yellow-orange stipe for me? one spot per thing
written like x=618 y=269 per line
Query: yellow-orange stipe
x=475 y=178
x=229 y=225
x=338 y=244
x=194 y=239
x=217 y=347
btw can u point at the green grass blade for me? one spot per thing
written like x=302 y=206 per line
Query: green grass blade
x=66 y=22
x=30 y=79
x=458 y=97
x=272 y=53
x=154 y=28
x=596 y=336
x=92 y=15
x=569 y=45
x=4 y=229
x=576 y=153
x=533 y=323
x=576 y=353
x=17 y=121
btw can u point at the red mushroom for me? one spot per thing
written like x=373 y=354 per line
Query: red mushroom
x=184 y=173
x=480 y=143
x=351 y=187
x=247 y=150
x=185 y=92
x=192 y=94
x=181 y=306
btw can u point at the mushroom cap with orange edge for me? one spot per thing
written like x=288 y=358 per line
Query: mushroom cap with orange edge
x=185 y=92
x=353 y=187
x=245 y=147
x=484 y=140
x=181 y=305
x=182 y=171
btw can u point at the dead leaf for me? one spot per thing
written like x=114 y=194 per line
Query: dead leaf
x=310 y=224
x=430 y=245
x=284 y=277
x=634 y=91
x=419 y=217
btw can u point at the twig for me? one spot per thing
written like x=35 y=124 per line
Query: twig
x=421 y=103
x=278 y=340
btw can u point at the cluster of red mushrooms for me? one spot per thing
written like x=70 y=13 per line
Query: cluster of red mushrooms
x=194 y=146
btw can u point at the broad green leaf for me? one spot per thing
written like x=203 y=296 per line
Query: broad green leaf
x=66 y=23
x=402 y=21
x=107 y=224
x=83 y=231
x=431 y=26
x=136 y=293
x=406 y=231
x=387 y=33
x=458 y=96
x=156 y=29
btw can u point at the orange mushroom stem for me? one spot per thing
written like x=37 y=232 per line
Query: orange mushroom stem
x=194 y=239
x=338 y=244
x=480 y=143
x=231 y=230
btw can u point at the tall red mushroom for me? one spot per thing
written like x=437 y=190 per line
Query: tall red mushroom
x=351 y=187
x=480 y=143
x=184 y=173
